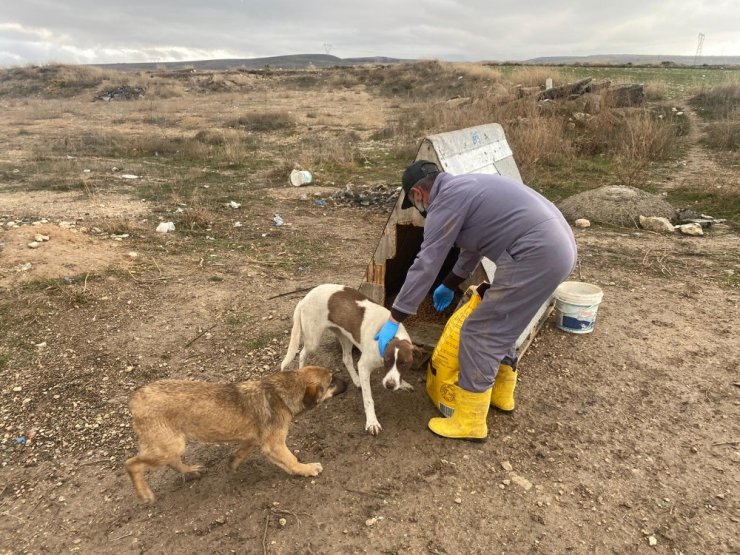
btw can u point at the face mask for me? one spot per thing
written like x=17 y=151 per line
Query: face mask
x=419 y=205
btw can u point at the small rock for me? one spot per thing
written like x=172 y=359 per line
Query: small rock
x=371 y=521
x=17 y=388
x=33 y=245
x=165 y=227
x=237 y=224
x=690 y=229
x=282 y=522
x=522 y=482
x=233 y=204
x=506 y=465
x=694 y=449
x=657 y=224
x=652 y=541
x=132 y=254
x=458 y=500
x=129 y=176
x=40 y=238
x=582 y=222
x=506 y=482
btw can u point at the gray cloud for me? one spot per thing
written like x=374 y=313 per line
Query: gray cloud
x=40 y=31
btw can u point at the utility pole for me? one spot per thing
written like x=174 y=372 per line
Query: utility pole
x=327 y=48
x=699 y=46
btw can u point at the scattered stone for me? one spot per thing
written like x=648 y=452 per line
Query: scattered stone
x=371 y=521
x=165 y=227
x=652 y=541
x=282 y=522
x=458 y=500
x=17 y=389
x=124 y=92
x=234 y=205
x=690 y=229
x=33 y=245
x=23 y=267
x=657 y=224
x=237 y=224
x=129 y=176
x=694 y=449
x=506 y=465
x=506 y=482
x=582 y=222
x=41 y=238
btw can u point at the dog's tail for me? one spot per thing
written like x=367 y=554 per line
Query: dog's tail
x=295 y=338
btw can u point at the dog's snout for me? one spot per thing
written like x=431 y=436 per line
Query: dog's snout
x=339 y=385
x=390 y=384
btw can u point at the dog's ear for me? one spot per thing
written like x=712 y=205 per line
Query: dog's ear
x=313 y=393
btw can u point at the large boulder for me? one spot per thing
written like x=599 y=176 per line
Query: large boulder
x=615 y=205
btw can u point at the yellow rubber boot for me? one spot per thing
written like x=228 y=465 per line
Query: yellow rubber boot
x=502 y=394
x=469 y=419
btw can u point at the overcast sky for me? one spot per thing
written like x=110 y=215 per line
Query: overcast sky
x=97 y=31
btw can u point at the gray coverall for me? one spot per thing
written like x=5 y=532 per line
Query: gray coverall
x=522 y=232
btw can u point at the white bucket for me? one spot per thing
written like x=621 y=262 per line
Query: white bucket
x=300 y=177
x=576 y=304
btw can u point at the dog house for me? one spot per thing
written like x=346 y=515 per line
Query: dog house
x=480 y=149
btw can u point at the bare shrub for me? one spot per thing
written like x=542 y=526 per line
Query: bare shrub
x=196 y=218
x=638 y=139
x=656 y=90
x=536 y=141
x=724 y=135
x=264 y=121
x=118 y=226
x=717 y=102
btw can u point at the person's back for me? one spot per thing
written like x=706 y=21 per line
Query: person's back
x=496 y=211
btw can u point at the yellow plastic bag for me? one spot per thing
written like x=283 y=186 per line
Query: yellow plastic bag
x=444 y=367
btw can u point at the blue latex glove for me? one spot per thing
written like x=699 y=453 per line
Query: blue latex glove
x=442 y=297
x=385 y=335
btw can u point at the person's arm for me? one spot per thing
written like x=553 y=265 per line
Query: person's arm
x=466 y=263
x=440 y=232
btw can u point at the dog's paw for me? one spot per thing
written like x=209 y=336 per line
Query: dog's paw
x=311 y=469
x=194 y=470
x=146 y=496
x=374 y=428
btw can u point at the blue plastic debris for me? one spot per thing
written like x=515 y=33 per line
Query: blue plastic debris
x=20 y=440
x=278 y=220
x=321 y=203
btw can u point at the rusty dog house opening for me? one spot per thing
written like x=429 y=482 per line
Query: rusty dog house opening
x=481 y=149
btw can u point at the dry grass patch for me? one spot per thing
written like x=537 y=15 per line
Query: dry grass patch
x=724 y=135
x=536 y=76
x=264 y=121
x=717 y=102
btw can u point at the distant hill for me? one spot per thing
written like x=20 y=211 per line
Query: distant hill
x=294 y=61
x=304 y=61
x=637 y=59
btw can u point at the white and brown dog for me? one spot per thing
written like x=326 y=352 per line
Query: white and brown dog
x=355 y=320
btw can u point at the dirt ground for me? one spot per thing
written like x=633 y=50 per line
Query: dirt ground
x=623 y=441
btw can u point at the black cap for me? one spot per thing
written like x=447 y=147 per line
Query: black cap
x=413 y=174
